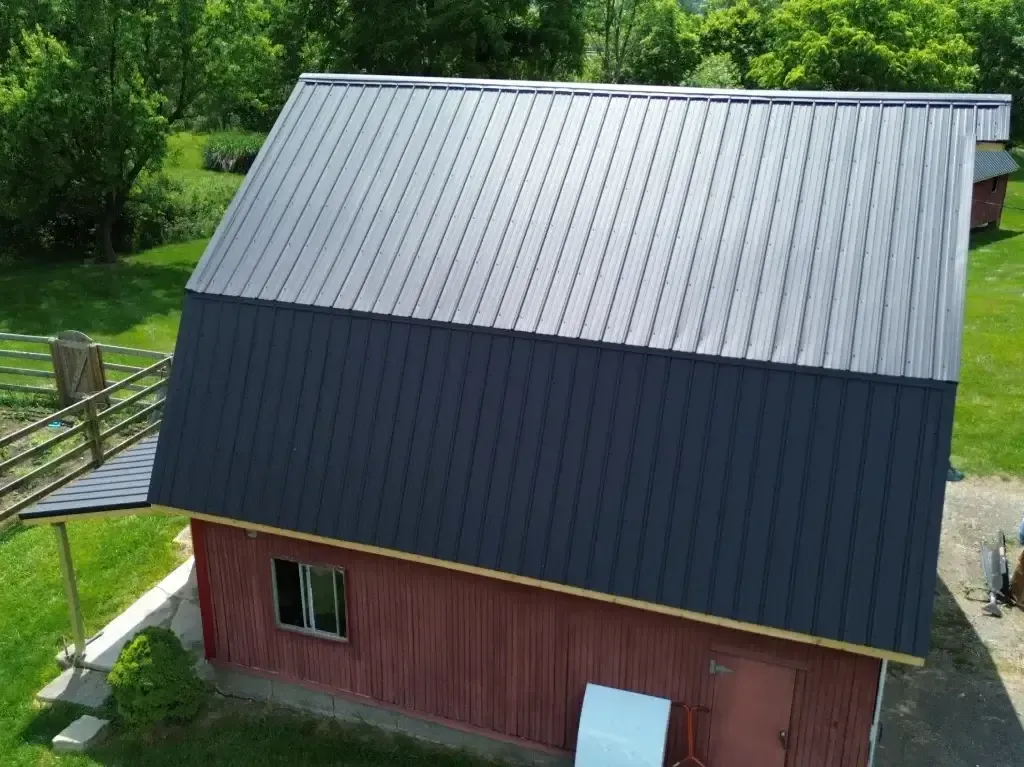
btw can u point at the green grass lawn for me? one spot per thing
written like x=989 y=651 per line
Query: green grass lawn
x=988 y=433
x=116 y=561
x=136 y=302
x=185 y=164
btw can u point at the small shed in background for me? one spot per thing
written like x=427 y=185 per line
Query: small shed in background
x=992 y=169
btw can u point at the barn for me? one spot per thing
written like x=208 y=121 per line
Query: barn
x=992 y=168
x=485 y=391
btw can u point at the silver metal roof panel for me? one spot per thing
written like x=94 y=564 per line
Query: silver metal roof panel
x=817 y=229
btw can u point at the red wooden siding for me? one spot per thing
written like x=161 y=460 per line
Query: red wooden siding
x=510 y=658
x=987 y=201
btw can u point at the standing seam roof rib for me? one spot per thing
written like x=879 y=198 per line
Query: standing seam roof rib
x=774 y=226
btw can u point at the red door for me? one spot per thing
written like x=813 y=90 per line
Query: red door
x=749 y=713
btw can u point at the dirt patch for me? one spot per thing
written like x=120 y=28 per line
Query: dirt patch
x=965 y=707
x=976 y=509
x=11 y=420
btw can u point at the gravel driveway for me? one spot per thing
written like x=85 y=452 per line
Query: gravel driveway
x=965 y=707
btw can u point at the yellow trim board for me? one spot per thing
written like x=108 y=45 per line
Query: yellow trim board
x=750 y=628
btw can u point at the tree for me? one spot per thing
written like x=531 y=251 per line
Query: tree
x=243 y=80
x=86 y=104
x=665 y=48
x=716 y=71
x=995 y=29
x=642 y=41
x=737 y=29
x=891 y=45
x=468 y=38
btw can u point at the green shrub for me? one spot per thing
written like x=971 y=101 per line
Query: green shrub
x=232 y=152
x=154 y=679
x=163 y=210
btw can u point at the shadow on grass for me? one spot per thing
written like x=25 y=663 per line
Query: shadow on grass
x=97 y=298
x=48 y=721
x=233 y=733
x=985 y=237
x=956 y=711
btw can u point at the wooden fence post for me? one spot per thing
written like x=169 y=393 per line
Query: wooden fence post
x=67 y=569
x=92 y=429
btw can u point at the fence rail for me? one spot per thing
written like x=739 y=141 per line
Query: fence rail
x=98 y=424
x=36 y=372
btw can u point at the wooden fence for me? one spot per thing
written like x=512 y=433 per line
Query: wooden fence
x=95 y=423
x=36 y=365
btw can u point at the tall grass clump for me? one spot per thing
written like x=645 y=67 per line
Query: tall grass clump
x=231 y=152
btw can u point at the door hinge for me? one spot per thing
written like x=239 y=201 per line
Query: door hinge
x=717 y=668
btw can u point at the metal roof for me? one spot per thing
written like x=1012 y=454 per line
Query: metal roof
x=825 y=229
x=804 y=500
x=991 y=164
x=120 y=483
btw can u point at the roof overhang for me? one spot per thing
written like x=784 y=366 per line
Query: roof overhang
x=118 y=487
x=989 y=164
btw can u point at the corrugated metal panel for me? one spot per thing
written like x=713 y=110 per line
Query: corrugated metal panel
x=120 y=483
x=513 y=659
x=788 y=498
x=783 y=227
x=989 y=164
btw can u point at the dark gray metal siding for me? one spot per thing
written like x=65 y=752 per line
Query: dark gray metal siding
x=825 y=230
x=120 y=483
x=803 y=500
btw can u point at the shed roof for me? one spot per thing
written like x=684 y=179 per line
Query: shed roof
x=120 y=483
x=820 y=229
x=992 y=164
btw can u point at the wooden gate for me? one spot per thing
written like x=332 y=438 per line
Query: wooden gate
x=78 y=366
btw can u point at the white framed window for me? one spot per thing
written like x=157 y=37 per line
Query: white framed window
x=310 y=598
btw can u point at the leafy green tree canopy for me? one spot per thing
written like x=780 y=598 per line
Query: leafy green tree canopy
x=737 y=29
x=995 y=29
x=88 y=97
x=891 y=45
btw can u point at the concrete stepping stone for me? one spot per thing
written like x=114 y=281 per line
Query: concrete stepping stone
x=81 y=686
x=82 y=733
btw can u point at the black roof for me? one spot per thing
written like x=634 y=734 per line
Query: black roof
x=723 y=383
x=120 y=483
x=803 y=500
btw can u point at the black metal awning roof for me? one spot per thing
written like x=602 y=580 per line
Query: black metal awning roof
x=121 y=483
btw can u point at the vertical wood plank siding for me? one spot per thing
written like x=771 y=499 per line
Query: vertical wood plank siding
x=510 y=658
x=987 y=203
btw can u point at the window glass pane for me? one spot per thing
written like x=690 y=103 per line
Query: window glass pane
x=321 y=581
x=339 y=582
x=289 y=593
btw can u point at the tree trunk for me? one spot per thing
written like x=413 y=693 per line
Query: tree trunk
x=106 y=235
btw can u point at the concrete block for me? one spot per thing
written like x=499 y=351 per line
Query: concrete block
x=206 y=671
x=151 y=609
x=348 y=710
x=238 y=684
x=181 y=582
x=82 y=733
x=296 y=696
x=81 y=686
x=187 y=623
